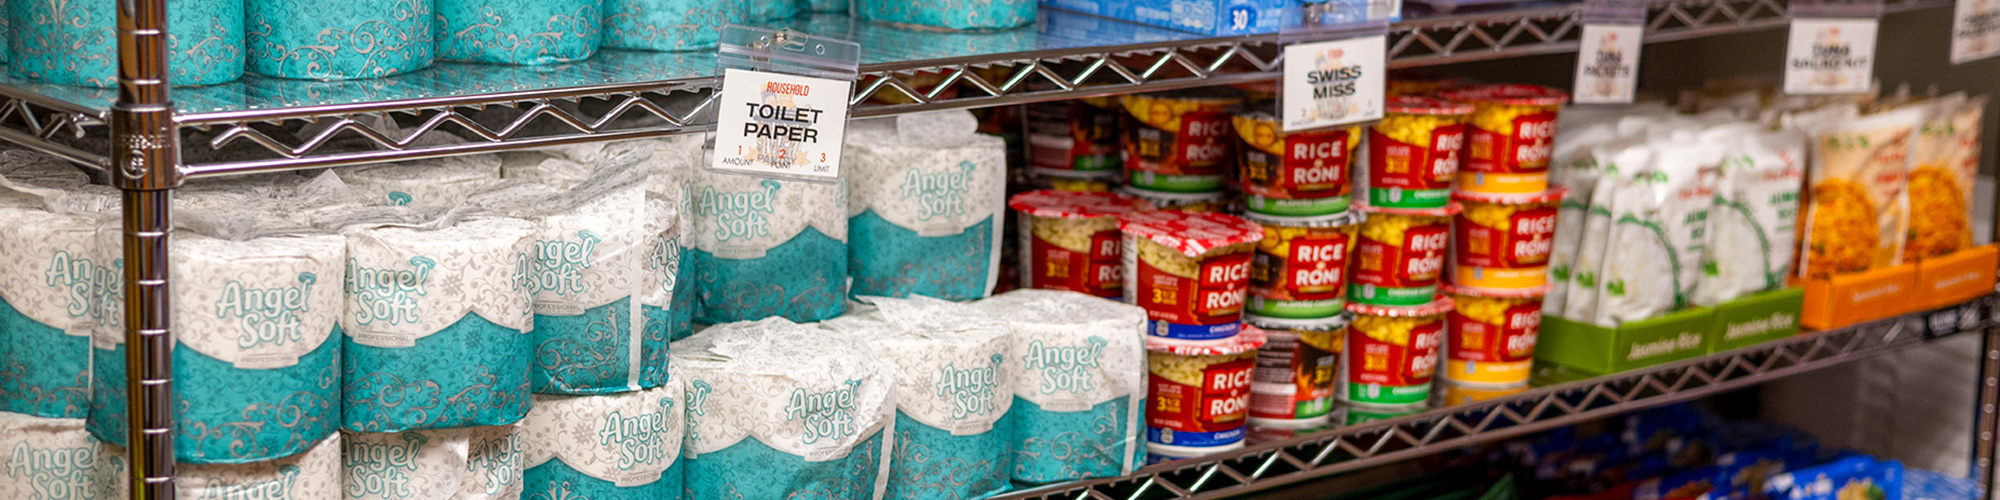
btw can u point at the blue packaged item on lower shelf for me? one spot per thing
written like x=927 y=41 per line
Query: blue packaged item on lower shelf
x=1079 y=372
x=345 y=40
x=962 y=15
x=76 y=43
x=768 y=247
x=606 y=447
x=1206 y=17
x=669 y=25
x=526 y=32
x=925 y=206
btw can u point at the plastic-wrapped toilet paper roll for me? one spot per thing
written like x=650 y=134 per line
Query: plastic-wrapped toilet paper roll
x=75 y=43
x=980 y=14
x=668 y=178
x=312 y=475
x=766 y=247
x=952 y=393
x=430 y=464
x=495 y=463
x=776 y=408
x=591 y=282
x=51 y=458
x=517 y=31
x=925 y=206
x=668 y=25
x=1079 y=375
x=257 y=323
x=442 y=182
x=318 y=40
x=55 y=284
x=609 y=447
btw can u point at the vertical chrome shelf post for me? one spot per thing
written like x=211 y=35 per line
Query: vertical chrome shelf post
x=145 y=157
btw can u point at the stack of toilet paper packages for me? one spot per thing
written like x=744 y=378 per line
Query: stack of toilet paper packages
x=1079 y=373
x=316 y=474
x=763 y=248
x=776 y=409
x=442 y=182
x=475 y=463
x=927 y=194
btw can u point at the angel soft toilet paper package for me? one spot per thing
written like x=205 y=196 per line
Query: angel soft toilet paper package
x=55 y=284
x=953 y=392
x=50 y=458
x=429 y=464
x=495 y=463
x=668 y=178
x=925 y=206
x=436 y=325
x=768 y=247
x=311 y=475
x=606 y=447
x=441 y=182
x=591 y=280
x=1078 y=366
x=776 y=409
x=257 y=323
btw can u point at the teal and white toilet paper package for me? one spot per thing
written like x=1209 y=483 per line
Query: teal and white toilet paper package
x=668 y=178
x=566 y=167
x=527 y=32
x=953 y=393
x=437 y=324
x=606 y=447
x=592 y=284
x=76 y=43
x=668 y=25
x=957 y=14
x=768 y=247
x=257 y=321
x=443 y=182
x=55 y=285
x=415 y=465
x=770 y=10
x=312 y=475
x=346 y=40
x=495 y=463
x=927 y=194
x=50 y=458
x=1079 y=367
x=776 y=409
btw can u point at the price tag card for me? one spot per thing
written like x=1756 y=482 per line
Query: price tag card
x=1607 y=64
x=1830 y=56
x=1334 y=82
x=1975 y=31
x=778 y=124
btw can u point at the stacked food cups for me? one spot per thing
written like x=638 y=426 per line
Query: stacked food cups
x=1499 y=272
x=1069 y=240
x=1073 y=145
x=1179 y=142
x=1512 y=135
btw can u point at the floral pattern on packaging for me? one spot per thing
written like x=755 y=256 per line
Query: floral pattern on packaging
x=608 y=447
x=776 y=408
x=442 y=182
x=591 y=297
x=54 y=290
x=437 y=326
x=1078 y=367
x=318 y=40
x=517 y=31
x=49 y=458
x=668 y=25
x=258 y=319
x=953 y=390
x=770 y=10
x=668 y=190
x=925 y=219
x=762 y=248
x=404 y=465
x=954 y=14
x=494 y=463
x=76 y=43
x=312 y=475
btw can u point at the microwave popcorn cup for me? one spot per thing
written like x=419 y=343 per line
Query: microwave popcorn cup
x=1212 y=201
x=1453 y=394
x=1501 y=243
x=1198 y=397
x=1413 y=153
x=1179 y=141
x=1069 y=240
x=1077 y=136
x=1301 y=174
x=1190 y=271
x=1511 y=137
x=1399 y=256
x=1392 y=353
x=1490 y=340
x=1300 y=270
x=1361 y=414
x=1293 y=384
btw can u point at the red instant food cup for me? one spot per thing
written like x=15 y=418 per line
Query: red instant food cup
x=1069 y=240
x=1190 y=271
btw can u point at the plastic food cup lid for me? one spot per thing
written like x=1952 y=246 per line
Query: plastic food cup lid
x=1152 y=195
x=1316 y=325
x=1498 y=293
x=1420 y=105
x=1442 y=304
x=1089 y=175
x=1509 y=94
x=1191 y=233
x=1448 y=210
x=1074 y=204
x=1551 y=195
x=1249 y=340
x=1347 y=218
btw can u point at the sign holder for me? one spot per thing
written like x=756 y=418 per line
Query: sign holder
x=783 y=105
x=1607 y=57
x=1975 y=30
x=1336 y=65
x=1831 y=47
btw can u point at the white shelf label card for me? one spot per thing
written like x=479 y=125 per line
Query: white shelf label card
x=1830 y=56
x=1975 y=30
x=1334 y=83
x=778 y=124
x=1607 y=64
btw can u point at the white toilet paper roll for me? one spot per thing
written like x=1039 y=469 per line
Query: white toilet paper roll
x=52 y=458
x=953 y=390
x=55 y=284
x=440 y=182
x=607 y=447
x=592 y=301
x=925 y=215
x=415 y=465
x=768 y=247
x=312 y=475
x=1079 y=369
x=496 y=463
x=669 y=178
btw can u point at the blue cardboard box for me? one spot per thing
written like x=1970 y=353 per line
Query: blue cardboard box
x=1207 y=17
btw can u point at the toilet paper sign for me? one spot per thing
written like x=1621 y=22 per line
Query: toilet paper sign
x=780 y=125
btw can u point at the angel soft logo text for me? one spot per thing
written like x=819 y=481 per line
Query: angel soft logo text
x=970 y=389
x=559 y=264
x=270 y=315
x=940 y=194
x=93 y=288
x=382 y=470
x=495 y=457
x=742 y=214
x=638 y=437
x=663 y=256
x=697 y=407
x=1071 y=369
x=59 y=472
x=825 y=414
x=222 y=489
x=387 y=295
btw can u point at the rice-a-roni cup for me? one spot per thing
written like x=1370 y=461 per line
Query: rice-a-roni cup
x=1392 y=353
x=1181 y=140
x=1211 y=201
x=1294 y=382
x=1399 y=256
x=1190 y=271
x=1069 y=240
x=1300 y=270
x=1096 y=182
x=1511 y=137
x=1073 y=137
x=1490 y=340
x=1502 y=242
x=1302 y=174
x=1413 y=154
x=1199 y=396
